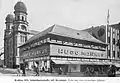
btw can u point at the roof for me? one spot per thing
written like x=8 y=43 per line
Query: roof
x=117 y=26
x=33 y=32
x=20 y=7
x=99 y=32
x=66 y=32
x=9 y=18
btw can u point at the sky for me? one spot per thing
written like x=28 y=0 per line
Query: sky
x=76 y=14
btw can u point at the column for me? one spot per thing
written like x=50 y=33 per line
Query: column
x=48 y=66
x=42 y=64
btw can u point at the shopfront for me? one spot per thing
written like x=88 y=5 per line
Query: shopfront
x=78 y=59
x=37 y=57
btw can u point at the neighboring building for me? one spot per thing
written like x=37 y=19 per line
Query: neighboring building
x=111 y=36
x=16 y=33
x=62 y=47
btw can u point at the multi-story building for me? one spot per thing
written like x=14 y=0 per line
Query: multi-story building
x=111 y=35
x=62 y=47
x=16 y=33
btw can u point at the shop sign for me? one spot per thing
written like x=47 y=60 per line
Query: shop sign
x=76 y=52
x=35 y=52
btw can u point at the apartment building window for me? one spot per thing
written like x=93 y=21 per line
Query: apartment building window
x=108 y=39
x=113 y=54
x=113 y=40
x=108 y=34
x=108 y=53
x=118 y=36
x=118 y=55
x=22 y=18
x=118 y=31
x=108 y=47
x=23 y=38
x=113 y=30
x=113 y=35
x=18 y=17
x=109 y=28
x=117 y=43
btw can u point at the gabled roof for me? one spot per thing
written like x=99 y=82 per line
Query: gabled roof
x=66 y=32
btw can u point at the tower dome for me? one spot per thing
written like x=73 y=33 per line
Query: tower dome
x=20 y=7
x=9 y=18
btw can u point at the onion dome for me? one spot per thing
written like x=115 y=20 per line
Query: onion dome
x=20 y=7
x=9 y=18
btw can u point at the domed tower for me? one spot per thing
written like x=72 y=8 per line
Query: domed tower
x=20 y=30
x=20 y=22
x=7 y=35
x=9 y=23
x=20 y=13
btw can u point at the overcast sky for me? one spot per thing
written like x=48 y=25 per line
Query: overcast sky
x=77 y=14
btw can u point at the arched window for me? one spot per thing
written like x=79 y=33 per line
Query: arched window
x=22 y=18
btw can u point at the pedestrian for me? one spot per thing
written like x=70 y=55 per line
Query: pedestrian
x=59 y=70
x=87 y=71
x=92 y=71
x=43 y=69
x=112 y=71
x=18 y=71
x=4 y=67
x=36 y=70
x=23 y=70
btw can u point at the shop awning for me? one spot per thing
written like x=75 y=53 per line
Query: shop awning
x=80 y=62
x=68 y=62
x=61 y=62
x=117 y=64
x=107 y=63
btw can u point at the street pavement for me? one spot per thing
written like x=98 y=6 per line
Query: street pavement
x=13 y=72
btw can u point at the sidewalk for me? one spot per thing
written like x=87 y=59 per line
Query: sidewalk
x=7 y=71
x=13 y=72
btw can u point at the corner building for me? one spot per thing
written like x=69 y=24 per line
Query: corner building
x=62 y=47
x=16 y=33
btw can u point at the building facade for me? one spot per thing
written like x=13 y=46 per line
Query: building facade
x=111 y=35
x=16 y=33
x=62 y=47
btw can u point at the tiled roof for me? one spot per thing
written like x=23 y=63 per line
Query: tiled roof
x=66 y=32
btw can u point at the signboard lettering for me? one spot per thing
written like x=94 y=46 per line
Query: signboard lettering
x=76 y=52
x=35 y=52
